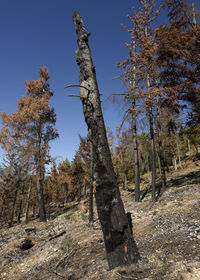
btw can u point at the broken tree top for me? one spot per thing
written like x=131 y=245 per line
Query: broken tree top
x=118 y=239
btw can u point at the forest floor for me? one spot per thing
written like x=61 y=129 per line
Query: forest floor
x=167 y=234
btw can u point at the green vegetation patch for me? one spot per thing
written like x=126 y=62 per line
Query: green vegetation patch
x=70 y=213
x=68 y=244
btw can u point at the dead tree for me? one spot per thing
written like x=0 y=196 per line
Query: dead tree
x=119 y=243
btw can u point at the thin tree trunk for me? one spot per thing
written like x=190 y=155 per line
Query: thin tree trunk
x=135 y=142
x=123 y=170
x=125 y=181
x=28 y=203
x=119 y=242
x=136 y=154
x=178 y=150
x=160 y=148
x=189 y=147
x=19 y=212
x=20 y=209
x=153 y=149
x=14 y=204
x=80 y=189
x=42 y=212
x=85 y=187
x=175 y=164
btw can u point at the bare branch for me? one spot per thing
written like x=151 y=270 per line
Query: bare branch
x=73 y=95
x=77 y=86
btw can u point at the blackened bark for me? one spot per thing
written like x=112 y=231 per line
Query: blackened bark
x=91 y=210
x=160 y=149
x=19 y=212
x=119 y=242
x=42 y=211
x=14 y=204
x=153 y=151
x=136 y=154
x=135 y=141
x=123 y=170
x=28 y=203
x=20 y=208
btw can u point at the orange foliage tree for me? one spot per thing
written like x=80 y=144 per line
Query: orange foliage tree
x=31 y=127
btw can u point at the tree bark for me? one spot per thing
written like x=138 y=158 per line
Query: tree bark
x=136 y=154
x=160 y=147
x=135 y=141
x=178 y=150
x=91 y=210
x=119 y=242
x=28 y=203
x=153 y=150
x=42 y=212
x=14 y=204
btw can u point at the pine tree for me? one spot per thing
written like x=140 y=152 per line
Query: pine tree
x=32 y=127
x=178 y=54
x=141 y=68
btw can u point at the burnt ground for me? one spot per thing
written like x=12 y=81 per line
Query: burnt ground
x=167 y=234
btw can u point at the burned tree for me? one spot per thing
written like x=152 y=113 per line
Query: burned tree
x=119 y=242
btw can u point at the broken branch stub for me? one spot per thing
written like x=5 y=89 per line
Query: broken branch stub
x=119 y=243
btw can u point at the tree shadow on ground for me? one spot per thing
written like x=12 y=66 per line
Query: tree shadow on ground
x=192 y=178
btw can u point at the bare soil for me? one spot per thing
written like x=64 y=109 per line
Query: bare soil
x=167 y=234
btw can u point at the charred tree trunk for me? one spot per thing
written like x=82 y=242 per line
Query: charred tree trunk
x=20 y=208
x=136 y=154
x=42 y=212
x=91 y=213
x=119 y=243
x=14 y=204
x=123 y=170
x=135 y=140
x=153 y=151
x=19 y=212
x=178 y=150
x=28 y=203
x=160 y=148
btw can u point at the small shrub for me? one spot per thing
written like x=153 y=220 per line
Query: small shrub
x=155 y=213
x=67 y=244
x=70 y=213
x=84 y=217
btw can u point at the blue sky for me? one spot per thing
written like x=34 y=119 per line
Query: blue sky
x=41 y=32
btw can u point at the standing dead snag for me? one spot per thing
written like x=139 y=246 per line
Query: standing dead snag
x=119 y=242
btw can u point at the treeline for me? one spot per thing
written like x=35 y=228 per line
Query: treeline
x=177 y=147
x=162 y=77
x=162 y=74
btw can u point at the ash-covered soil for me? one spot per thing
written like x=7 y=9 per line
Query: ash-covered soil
x=167 y=234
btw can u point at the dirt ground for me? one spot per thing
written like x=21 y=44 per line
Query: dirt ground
x=167 y=234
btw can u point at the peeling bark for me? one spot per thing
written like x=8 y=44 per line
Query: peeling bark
x=119 y=242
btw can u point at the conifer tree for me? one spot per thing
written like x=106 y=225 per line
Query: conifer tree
x=32 y=127
x=178 y=55
x=142 y=69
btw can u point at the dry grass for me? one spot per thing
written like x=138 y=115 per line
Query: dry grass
x=167 y=234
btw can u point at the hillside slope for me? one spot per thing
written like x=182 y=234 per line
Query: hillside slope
x=68 y=247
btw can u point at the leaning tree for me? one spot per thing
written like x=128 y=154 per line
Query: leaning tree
x=119 y=242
